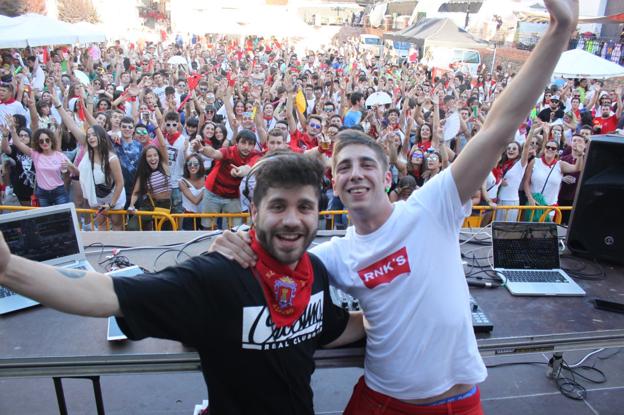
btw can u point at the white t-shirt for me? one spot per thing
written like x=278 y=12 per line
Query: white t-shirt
x=410 y=282
x=176 y=154
x=539 y=177
x=513 y=177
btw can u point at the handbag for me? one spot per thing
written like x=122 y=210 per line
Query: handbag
x=101 y=190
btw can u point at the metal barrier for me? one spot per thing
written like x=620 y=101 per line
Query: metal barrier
x=482 y=215
x=90 y=219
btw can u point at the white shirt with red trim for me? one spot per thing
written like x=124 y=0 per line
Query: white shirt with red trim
x=410 y=282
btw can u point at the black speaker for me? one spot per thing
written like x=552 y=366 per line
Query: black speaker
x=596 y=227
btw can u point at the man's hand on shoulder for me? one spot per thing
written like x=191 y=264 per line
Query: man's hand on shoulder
x=235 y=246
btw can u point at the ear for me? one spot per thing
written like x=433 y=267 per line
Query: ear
x=253 y=211
x=388 y=180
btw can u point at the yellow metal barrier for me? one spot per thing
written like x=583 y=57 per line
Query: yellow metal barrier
x=90 y=217
x=482 y=215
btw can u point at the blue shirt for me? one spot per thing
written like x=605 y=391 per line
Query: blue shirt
x=129 y=155
x=352 y=118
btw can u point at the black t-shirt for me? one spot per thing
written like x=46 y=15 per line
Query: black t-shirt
x=22 y=175
x=544 y=114
x=214 y=305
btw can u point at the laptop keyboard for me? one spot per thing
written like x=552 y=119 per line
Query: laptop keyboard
x=5 y=292
x=534 y=276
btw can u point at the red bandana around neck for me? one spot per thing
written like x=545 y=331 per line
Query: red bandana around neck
x=286 y=291
x=8 y=101
x=171 y=138
x=552 y=163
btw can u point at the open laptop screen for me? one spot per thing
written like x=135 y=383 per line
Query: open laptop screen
x=525 y=245
x=42 y=238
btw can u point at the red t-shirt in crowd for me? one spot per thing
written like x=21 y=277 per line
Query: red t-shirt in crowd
x=220 y=180
x=300 y=142
x=607 y=125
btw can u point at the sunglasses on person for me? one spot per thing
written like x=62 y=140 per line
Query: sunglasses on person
x=315 y=125
x=127 y=126
x=328 y=109
x=171 y=124
x=417 y=156
x=141 y=132
x=433 y=157
x=193 y=163
x=553 y=148
x=44 y=141
x=24 y=135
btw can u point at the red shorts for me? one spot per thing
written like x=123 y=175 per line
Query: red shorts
x=366 y=401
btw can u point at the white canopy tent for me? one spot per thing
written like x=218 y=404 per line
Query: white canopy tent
x=37 y=30
x=89 y=33
x=577 y=63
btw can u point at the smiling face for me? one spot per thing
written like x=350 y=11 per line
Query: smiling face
x=92 y=138
x=153 y=158
x=513 y=151
x=286 y=221
x=425 y=132
x=358 y=178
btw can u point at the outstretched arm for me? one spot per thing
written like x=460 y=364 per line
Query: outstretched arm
x=481 y=153
x=71 y=291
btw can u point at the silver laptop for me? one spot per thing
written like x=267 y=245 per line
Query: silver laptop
x=113 y=332
x=49 y=235
x=526 y=256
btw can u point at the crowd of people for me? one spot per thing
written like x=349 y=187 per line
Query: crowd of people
x=114 y=128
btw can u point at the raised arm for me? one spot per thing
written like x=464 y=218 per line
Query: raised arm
x=10 y=126
x=482 y=152
x=80 y=135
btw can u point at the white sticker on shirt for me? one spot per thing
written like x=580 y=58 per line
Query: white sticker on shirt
x=260 y=333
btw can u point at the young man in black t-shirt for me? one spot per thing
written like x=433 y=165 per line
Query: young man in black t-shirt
x=255 y=330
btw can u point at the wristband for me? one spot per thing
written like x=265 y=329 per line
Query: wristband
x=58 y=106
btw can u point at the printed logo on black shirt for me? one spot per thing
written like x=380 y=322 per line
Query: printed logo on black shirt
x=260 y=333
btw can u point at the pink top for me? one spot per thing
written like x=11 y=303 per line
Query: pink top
x=48 y=169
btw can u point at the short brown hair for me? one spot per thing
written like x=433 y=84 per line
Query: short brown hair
x=349 y=137
x=286 y=169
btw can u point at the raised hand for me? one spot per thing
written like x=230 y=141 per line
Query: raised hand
x=563 y=13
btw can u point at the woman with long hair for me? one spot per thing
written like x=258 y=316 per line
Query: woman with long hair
x=415 y=165
x=192 y=188
x=152 y=187
x=510 y=169
x=49 y=162
x=101 y=179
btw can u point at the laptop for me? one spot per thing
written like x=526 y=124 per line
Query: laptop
x=49 y=235
x=113 y=332
x=526 y=256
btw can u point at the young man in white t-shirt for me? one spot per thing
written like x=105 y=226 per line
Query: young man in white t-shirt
x=402 y=260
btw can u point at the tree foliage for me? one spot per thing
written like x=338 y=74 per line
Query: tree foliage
x=77 y=11
x=11 y=8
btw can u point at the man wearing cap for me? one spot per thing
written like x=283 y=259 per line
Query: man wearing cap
x=552 y=112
